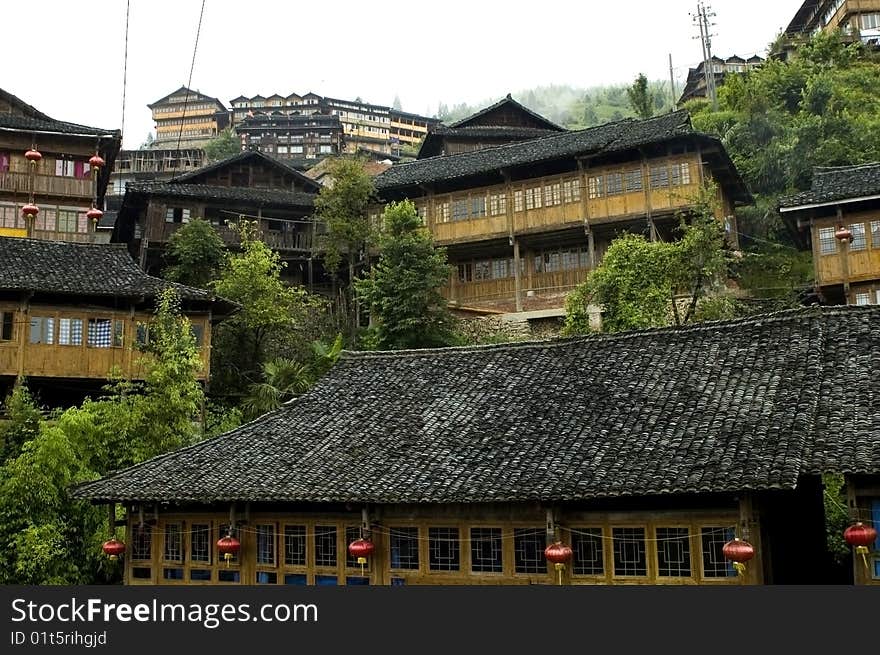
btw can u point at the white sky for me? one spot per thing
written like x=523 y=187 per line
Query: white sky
x=66 y=58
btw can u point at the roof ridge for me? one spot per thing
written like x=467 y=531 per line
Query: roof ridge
x=821 y=170
x=781 y=315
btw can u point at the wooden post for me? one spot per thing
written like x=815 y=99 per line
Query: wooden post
x=646 y=187
x=23 y=336
x=111 y=519
x=844 y=259
x=591 y=247
x=517 y=275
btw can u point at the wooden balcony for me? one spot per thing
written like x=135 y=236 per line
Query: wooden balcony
x=73 y=237
x=46 y=185
x=282 y=241
x=858 y=261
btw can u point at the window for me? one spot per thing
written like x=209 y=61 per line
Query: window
x=596 y=187
x=863 y=298
x=282 y=150
x=173 y=542
x=198 y=332
x=71 y=221
x=712 y=540
x=444 y=549
x=478 y=207
x=177 y=215
x=65 y=167
x=352 y=533
x=459 y=209
x=325 y=149
x=325 y=545
x=442 y=211
x=875 y=234
x=486 y=550
x=875 y=518
x=553 y=194
x=325 y=580
x=533 y=198
x=141 y=542
x=673 y=552
x=100 y=335
x=295 y=579
x=571 y=191
x=294 y=545
x=858 y=241
x=614 y=184
x=518 y=200
x=681 y=174
x=200 y=543
x=10 y=216
x=629 y=551
x=70 y=331
x=528 y=550
x=870 y=21
x=827 y=242
x=118 y=333
x=6 y=325
x=465 y=273
x=659 y=177
x=42 y=330
x=404 y=548
x=266 y=544
x=142 y=334
x=497 y=204
x=633 y=180
x=588 y=557
x=482 y=270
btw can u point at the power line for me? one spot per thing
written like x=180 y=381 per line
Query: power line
x=189 y=81
x=125 y=68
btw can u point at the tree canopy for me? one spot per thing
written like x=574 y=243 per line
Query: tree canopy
x=195 y=253
x=222 y=146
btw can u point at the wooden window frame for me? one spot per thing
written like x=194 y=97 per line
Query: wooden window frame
x=655 y=551
x=823 y=242
x=603 y=539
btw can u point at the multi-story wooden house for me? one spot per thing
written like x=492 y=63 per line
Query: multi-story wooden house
x=695 y=85
x=62 y=183
x=150 y=165
x=857 y=18
x=249 y=185
x=292 y=136
x=408 y=130
x=507 y=121
x=644 y=452
x=187 y=119
x=524 y=222
x=839 y=220
x=72 y=312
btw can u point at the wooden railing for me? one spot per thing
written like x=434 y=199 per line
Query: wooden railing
x=46 y=185
x=73 y=237
x=505 y=288
x=275 y=239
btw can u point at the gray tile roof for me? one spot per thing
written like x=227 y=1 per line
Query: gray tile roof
x=250 y=155
x=838 y=183
x=275 y=197
x=30 y=118
x=60 y=267
x=718 y=407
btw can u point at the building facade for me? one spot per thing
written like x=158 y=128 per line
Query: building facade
x=695 y=85
x=150 y=165
x=62 y=184
x=523 y=223
x=187 y=119
x=640 y=451
x=837 y=219
x=291 y=136
x=856 y=18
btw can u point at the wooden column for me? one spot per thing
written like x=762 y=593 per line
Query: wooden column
x=591 y=248
x=585 y=209
x=844 y=259
x=23 y=333
x=646 y=187
x=517 y=276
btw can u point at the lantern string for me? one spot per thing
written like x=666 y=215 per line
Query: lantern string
x=189 y=81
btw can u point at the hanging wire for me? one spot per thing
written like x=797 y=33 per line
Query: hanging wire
x=125 y=68
x=189 y=81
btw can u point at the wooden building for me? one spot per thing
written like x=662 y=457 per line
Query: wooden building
x=695 y=85
x=507 y=121
x=150 y=165
x=524 y=222
x=249 y=185
x=645 y=452
x=187 y=119
x=857 y=18
x=311 y=137
x=63 y=184
x=847 y=270
x=71 y=312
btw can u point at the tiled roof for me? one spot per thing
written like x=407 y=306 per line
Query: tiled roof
x=838 y=183
x=603 y=139
x=60 y=267
x=32 y=119
x=498 y=131
x=244 y=156
x=274 y=197
x=508 y=100
x=717 y=407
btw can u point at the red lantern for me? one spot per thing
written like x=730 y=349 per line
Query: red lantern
x=861 y=536
x=30 y=210
x=113 y=548
x=843 y=234
x=94 y=214
x=739 y=552
x=559 y=554
x=33 y=156
x=228 y=546
x=96 y=161
x=361 y=549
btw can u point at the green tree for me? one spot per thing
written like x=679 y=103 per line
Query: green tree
x=195 y=253
x=222 y=146
x=641 y=100
x=342 y=206
x=403 y=288
x=23 y=421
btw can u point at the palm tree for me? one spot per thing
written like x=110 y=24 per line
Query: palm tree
x=283 y=379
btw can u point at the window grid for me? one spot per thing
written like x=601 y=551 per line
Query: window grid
x=596 y=187
x=629 y=552
x=715 y=565
x=528 y=550
x=659 y=177
x=589 y=557
x=486 y=550
x=673 y=552
x=444 y=549
x=404 y=544
x=827 y=242
x=266 y=544
x=325 y=545
x=6 y=326
x=633 y=180
x=295 y=545
x=614 y=184
x=200 y=543
x=142 y=542
x=352 y=533
x=858 y=239
x=875 y=234
x=173 y=542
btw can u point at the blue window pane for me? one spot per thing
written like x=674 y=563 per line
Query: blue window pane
x=228 y=576
x=357 y=580
x=295 y=578
x=141 y=573
x=325 y=580
x=877 y=568
x=200 y=574
x=172 y=574
x=398 y=582
x=266 y=577
x=875 y=518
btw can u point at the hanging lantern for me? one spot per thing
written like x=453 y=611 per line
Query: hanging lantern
x=843 y=233
x=30 y=210
x=559 y=554
x=94 y=214
x=228 y=546
x=113 y=548
x=861 y=536
x=96 y=161
x=33 y=156
x=361 y=549
x=739 y=552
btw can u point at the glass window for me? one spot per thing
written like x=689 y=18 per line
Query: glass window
x=118 y=333
x=712 y=540
x=614 y=184
x=659 y=177
x=325 y=580
x=681 y=174
x=266 y=544
x=518 y=200
x=325 y=545
x=827 y=242
x=459 y=210
x=483 y=270
x=228 y=575
x=596 y=187
x=198 y=332
x=875 y=234
x=533 y=198
x=553 y=194
x=142 y=334
x=465 y=272
x=141 y=542
x=173 y=542
x=629 y=551
x=200 y=543
x=673 y=552
x=444 y=549
x=858 y=241
x=486 y=550
x=100 y=333
x=588 y=557
x=528 y=550
x=267 y=577
x=6 y=325
x=404 y=548
x=42 y=330
x=352 y=533
x=295 y=545
x=200 y=575
x=863 y=298
x=172 y=574
x=633 y=180
x=443 y=212
x=478 y=207
x=141 y=573
x=295 y=579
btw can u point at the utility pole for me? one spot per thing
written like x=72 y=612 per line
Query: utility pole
x=672 y=85
x=701 y=18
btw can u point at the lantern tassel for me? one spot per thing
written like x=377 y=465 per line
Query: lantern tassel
x=560 y=567
x=740 y=568
x=863 y=551
x=362 y=561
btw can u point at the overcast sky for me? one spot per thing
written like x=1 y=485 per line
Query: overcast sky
x=66 y=58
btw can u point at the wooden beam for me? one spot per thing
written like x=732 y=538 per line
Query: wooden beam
x=517 y=275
